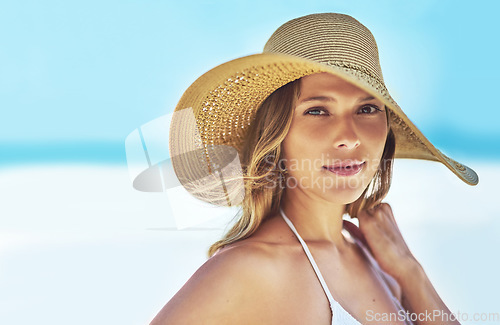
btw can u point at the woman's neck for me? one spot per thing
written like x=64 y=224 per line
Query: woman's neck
x=314 y=218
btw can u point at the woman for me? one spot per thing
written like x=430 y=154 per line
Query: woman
x=315 y=132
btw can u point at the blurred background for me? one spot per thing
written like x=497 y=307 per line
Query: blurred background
x=79 y=244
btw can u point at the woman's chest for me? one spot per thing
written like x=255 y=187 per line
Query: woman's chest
x=357 y=291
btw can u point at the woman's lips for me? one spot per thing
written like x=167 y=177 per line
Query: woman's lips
x=349 y=170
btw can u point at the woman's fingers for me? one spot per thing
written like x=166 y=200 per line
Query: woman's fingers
x=384 y=238
x=388 y=210
x=356 y=232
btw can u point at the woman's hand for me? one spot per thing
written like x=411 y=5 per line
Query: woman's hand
x=382 y=235
x=385 y=241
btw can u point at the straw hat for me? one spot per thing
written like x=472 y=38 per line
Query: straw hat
x=213 y=116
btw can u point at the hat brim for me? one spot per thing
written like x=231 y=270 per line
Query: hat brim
x=225 y=99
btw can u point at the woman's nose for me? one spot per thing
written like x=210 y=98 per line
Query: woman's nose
x=345 y=134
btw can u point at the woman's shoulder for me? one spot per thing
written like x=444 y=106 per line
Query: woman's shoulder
x=246 y=256
x=238 y=277
x=271 y=238
x=267 y=251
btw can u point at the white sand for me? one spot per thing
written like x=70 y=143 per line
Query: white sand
x=79 y=245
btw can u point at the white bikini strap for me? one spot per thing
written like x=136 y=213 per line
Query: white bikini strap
x=311 y=260
x=378 y=272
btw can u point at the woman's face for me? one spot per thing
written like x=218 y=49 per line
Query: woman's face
x=336 y=139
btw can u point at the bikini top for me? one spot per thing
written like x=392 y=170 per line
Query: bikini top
x=339 y=314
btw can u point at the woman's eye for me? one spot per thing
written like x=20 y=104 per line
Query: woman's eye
x=316 y=111
x=369 y=109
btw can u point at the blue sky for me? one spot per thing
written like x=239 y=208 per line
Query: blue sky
x=76 y=77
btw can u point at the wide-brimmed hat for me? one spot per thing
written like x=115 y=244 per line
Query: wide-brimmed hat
x=213 y=116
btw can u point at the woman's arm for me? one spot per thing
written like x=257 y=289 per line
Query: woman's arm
x=420 y=297
x=387 y=245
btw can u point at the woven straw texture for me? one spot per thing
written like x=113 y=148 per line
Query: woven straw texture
x=224 y=100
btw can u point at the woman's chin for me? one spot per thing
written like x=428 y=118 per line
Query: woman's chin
x=342 y=196
x=343 y=192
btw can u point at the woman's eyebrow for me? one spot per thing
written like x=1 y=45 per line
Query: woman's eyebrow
x=366 y=99
x=331 y=99
x=318 y=98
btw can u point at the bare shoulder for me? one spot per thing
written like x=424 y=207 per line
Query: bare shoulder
x=227 y=288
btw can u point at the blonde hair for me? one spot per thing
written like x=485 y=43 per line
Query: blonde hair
x=260 y=155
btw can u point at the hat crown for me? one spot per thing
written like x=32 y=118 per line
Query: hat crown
x=331 y=39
